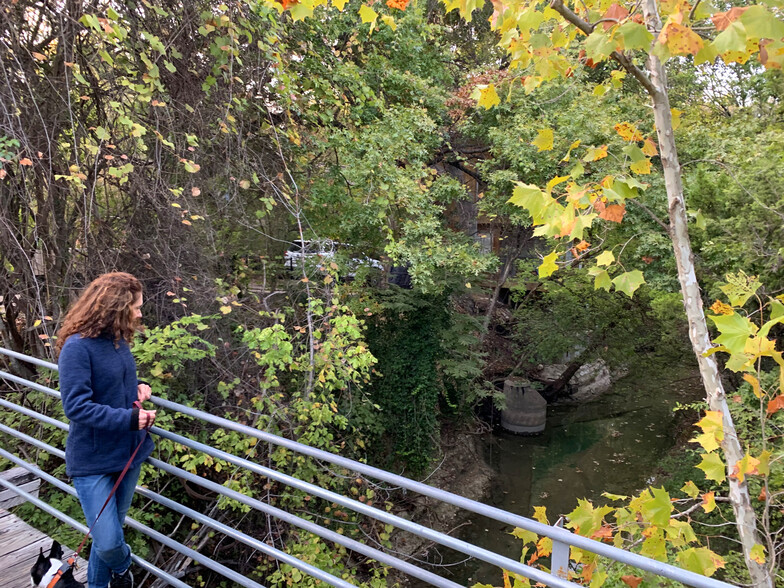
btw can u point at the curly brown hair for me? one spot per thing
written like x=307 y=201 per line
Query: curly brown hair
x=104 y=307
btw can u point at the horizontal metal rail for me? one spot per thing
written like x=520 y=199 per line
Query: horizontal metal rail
x=161 y=538
x=555 y=533
x=328 y=534
x=256 y=544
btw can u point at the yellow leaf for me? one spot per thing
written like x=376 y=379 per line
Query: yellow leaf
x=649 y=148
x=755 y=385
x=676 y=117
x=595 y=153
x=713 y=430
x=548 y=266
x=368 y=15
x=642 y=166
x=339 y=4
x=605 y=258
x=225 y=309
x=540 y=514
x=389 y=21
x=747 y=466
x=488 y=97
x=544 y=140
x=758 y=554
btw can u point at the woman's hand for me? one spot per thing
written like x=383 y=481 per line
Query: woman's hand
x=146 y=418
x=143 y=392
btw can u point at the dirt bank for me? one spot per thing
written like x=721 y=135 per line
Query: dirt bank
x=460 y=469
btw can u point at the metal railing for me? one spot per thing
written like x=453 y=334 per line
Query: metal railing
x=562 y=539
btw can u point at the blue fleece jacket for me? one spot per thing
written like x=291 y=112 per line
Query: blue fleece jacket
x=98 y=385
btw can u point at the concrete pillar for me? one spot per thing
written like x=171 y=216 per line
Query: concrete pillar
x=526 y=409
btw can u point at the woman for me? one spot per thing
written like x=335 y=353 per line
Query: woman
x=98 y=385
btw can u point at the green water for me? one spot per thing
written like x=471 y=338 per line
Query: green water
x=611 y=444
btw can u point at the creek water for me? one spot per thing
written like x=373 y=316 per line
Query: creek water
x=610 y=444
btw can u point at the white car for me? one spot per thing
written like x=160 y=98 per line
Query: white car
x=326 y=249
x=303 y=250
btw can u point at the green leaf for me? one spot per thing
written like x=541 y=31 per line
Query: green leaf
x=776 y=309
x=548 y=266
x=629 y=282
x=735 y=330
x=531 y=198
x=733 y=38
x=598 y=45
x=635 y=35
x=582 y=222
x=599 y=578
x=713 y=467
x=654 y=546
x=525 y=536
x=707 y=54
x=658 y=508
x=303 y=9
x=700 y=560
x=760 y=23
x=601 y=279
x=690 y=489
x=740 y=287
x=585 y=519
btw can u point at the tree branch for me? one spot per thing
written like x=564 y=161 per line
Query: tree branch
x=621 y=58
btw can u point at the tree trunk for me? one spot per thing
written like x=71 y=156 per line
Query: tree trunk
x=692 y=301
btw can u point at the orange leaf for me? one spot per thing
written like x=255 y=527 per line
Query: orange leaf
x=605 y=532
x=709 y=501
x=632 y=581
x=613 y=212
x=647 y=259
x=582 y=246
x=615 y=12
x=763 y=495
x=39 y=56
x=776 y=404
x=195 y=191
x=649 y=148
x=25 y=161
x=721 y=20
x=3 y=173
x=507 y=583
x=287 y=3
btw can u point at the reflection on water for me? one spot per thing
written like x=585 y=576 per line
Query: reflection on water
x=609 y=445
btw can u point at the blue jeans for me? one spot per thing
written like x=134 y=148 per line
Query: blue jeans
x=109 y=552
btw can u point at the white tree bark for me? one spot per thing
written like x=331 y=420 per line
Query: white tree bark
x=692 y=302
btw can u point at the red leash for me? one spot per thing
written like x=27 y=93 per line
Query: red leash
x=71 y=562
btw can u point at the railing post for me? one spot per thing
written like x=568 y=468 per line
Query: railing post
x=560 y=556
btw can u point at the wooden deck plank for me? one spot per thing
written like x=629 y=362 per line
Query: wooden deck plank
x=20 y=545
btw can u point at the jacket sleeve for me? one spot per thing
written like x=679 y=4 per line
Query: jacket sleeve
x=77 y=393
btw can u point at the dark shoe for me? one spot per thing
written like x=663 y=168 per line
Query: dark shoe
x=124 y=580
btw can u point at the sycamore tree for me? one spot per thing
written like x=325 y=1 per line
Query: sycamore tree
x=552 y=39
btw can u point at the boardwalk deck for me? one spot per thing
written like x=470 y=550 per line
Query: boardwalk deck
x=19 y=547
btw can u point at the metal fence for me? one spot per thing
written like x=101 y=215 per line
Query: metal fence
x=562 y=539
